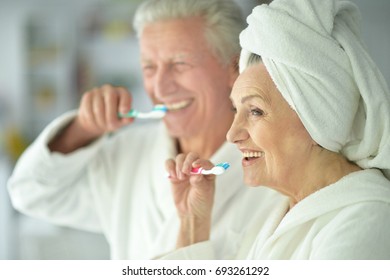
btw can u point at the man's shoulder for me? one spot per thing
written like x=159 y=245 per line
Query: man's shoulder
x=146 y=129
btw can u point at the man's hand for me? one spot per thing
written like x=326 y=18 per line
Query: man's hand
x=99 y=108
x=97 y=115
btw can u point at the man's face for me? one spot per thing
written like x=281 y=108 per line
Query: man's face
x=181 y=71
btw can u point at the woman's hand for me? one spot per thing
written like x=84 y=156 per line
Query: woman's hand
x=193 y=196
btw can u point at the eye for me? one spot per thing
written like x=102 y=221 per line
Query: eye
x=256 y=112
x=148 y=69
x=233 y=109
x=180 y=66
x=147 y=65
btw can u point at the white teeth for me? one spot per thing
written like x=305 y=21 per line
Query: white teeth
x=178 y=105
x=252 y=154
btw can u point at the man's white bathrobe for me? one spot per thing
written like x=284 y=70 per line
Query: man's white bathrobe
x=347 y=220
x=117 y=185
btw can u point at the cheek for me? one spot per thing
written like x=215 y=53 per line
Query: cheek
x=264 y=137
x=276 y=145
x=288 y=148
x=150 y=89
x=148 y=84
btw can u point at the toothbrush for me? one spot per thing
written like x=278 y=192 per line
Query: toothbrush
x=216 y=170
x=158 y=112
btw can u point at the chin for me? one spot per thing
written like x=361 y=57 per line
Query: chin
x=179 y=131
x=173 y=128
x=252 y=182
x=252 y=177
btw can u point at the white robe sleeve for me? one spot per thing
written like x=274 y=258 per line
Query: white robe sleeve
x=54 y=186
x=199 y=251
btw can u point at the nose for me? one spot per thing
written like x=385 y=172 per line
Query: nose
x=237 y=132
x=164 y=82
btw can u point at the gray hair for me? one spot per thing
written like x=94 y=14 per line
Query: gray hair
x=254 y=59
x=248 y=59
x=223 y=21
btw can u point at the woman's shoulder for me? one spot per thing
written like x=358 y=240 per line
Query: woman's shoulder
x=357 y=231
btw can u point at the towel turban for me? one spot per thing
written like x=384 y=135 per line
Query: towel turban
x=314 y=53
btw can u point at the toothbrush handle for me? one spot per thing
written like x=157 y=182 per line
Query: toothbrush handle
x=216 y=170
x=198 y=170
x=131 y=114
x=194 y=171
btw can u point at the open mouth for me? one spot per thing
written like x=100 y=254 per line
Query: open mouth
x=179 y=105
x=249 y=156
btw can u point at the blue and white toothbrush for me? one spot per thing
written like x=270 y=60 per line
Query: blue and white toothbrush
x=157 y=112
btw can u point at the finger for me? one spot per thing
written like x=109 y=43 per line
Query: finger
x=187 y=164
x=202 y=181
x=125 y=100
x=86 y=112
x=179 y=165
x=124 y=105
x=204 y=163
x=170 y=167
x=98 y=110
x=111 y=100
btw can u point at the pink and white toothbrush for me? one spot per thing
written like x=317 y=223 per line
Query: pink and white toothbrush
x=218 y=169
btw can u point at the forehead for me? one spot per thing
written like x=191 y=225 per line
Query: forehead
x=255 y=80
x=177 y=37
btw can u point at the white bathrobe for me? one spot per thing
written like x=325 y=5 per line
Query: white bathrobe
x=347 y=220
x=117 y=185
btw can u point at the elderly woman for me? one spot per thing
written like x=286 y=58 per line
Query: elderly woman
x=312 y=122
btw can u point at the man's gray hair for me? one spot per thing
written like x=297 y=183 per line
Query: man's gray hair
x=223 y=21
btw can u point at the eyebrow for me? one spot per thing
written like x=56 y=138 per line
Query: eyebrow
x=146 y=60
x=179 y=56
x=252 y=96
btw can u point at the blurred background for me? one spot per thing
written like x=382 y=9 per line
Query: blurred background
x=51 y=51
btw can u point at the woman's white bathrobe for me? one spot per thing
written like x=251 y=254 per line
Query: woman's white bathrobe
x=117 y=186
x=347 y=220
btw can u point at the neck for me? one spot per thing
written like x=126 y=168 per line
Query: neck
x=202 y=147
x=207 y=143
x=321 y=175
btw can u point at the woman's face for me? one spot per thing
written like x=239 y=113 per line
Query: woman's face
x=275 y=145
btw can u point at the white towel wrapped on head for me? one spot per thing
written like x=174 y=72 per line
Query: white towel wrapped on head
x=314 y=54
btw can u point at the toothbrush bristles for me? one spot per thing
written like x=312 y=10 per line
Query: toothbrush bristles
x=224 y=165
x=160 y=107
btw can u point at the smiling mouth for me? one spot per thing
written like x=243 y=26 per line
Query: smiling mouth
x=248 y=156
x=179 y=105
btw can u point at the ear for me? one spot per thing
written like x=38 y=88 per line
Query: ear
x=233 y=70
